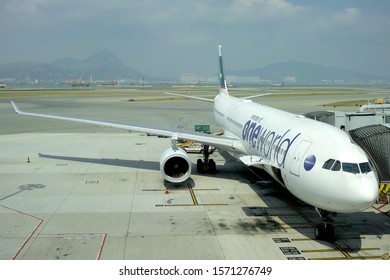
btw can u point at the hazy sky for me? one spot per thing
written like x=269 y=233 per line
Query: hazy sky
x=164 y=38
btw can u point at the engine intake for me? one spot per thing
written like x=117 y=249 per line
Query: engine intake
x=175 y=165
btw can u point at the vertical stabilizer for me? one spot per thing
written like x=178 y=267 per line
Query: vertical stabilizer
x=222 y=81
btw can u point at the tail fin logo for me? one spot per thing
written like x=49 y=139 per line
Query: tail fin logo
x=222 y=81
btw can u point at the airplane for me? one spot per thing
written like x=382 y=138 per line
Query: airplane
x=314 y=161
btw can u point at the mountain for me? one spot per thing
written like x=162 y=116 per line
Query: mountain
x=27 y=70
x=302 y=72
x=102 y=65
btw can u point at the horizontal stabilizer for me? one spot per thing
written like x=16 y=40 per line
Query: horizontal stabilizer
x=257 y=95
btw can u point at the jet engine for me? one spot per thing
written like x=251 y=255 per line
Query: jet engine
x=175 y=165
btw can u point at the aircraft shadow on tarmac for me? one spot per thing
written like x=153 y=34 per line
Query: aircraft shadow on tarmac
x=148 y=165
x=23 y=188
x=231 y=166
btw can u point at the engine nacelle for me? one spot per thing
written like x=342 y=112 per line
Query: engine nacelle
x=175 y=165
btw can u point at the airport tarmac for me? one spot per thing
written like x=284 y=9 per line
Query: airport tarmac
x=74 y=191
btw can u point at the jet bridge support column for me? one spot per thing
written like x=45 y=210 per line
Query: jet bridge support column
x=384 y=193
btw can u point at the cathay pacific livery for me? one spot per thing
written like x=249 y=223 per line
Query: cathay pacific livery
x=315 y=161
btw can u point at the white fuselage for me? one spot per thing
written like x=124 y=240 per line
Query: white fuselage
x=295 y=149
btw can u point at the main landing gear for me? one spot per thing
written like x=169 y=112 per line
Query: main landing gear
x=325 y=230
x=206 y=165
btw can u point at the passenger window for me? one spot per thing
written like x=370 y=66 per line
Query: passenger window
x=328 y=164
x=365 y=167
x=351 y=167
x=336 y=166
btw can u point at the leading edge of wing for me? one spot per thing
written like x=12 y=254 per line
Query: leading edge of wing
x=190 y=97
x=226 y=143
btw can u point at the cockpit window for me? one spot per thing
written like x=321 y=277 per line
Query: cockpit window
x=336 y=166
x=351 y=167
x=365 y=167
x=328 y=164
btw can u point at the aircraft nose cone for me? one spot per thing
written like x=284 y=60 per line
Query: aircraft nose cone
x=362 y=193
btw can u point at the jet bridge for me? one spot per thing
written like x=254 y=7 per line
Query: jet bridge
x=348 y=120
x=375 y=141
x=322 y=116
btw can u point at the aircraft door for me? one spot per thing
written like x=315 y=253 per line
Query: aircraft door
x=298 y=157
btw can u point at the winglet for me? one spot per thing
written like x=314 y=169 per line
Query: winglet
x=17 y=111
x=222 y=81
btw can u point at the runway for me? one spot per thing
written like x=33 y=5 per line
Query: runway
x=74 y=191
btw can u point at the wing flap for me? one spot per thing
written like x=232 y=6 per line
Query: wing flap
x=256 y=160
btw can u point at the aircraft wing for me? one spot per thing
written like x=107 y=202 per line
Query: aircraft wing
x=222 y=142
x=190 y=97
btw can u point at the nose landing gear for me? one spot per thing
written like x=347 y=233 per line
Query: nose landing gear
x=325 y=230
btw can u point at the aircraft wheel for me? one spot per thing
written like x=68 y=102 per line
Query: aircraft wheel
x=324 y=232
x=212 y=166
x=329 y=232
x=319 y=232
x=200 y=166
